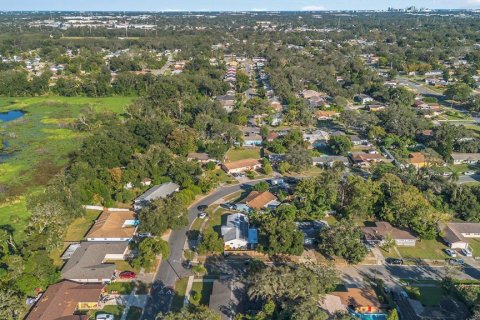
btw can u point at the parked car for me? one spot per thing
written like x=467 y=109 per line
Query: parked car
x=455 y=262
x=105 y=316
x=469 y=173
x=127 y=275
x=451 y=253
x=145 y=235
x=202 y=207
x=467 y=252
x=394 y=261
x=202 y=215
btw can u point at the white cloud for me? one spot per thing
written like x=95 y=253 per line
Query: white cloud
x=259 y=9
x=313 y=8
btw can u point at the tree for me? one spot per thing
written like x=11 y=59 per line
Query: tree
x=262 y=186
x=458 y=92
x=393 y=315
x=210 y=243
x=340 y=145
x=359 y=197
x=162 y=214
x=343 y=240
x=278 y=236
x=10 y=303
x=148 y=249
x=298 y=158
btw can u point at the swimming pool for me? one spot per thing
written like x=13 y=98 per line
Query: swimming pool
x=369 y=316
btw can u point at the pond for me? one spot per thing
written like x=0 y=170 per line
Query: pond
x=11 y=115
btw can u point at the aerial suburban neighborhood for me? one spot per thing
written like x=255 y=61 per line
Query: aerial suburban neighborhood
x=234 y=163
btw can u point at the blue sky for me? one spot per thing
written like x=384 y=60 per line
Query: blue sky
x=201 y=5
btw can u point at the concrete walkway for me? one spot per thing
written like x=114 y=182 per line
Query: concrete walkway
x=188 y=290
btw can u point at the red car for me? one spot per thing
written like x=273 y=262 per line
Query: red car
x=127 y=275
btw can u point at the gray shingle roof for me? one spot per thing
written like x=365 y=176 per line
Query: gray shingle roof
x=236 y=227
x=87 y=261
x=157 y=192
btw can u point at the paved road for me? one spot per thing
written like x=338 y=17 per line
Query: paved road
x=391 y=274
x=466 y=179
x=420 y=88
x=171 y=269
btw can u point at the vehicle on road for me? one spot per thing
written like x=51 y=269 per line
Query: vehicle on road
x=127 y=275
x=187 y=264
x=202 y=207
x=467 y=252
x=456 y=262
x=451 y=253
x=105 y=316
x=469 y=173
x=394 y=261
x=202 y=215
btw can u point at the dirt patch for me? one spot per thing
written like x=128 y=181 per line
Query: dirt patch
x=44 y=170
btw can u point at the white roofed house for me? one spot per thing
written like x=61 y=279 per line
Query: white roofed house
x=236 y=233
x=457 y=234
x=157 y=192
x=465 y=158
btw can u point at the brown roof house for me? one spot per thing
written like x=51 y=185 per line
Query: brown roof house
x=241 y=165
x=92 y=261
x=200 y=157
x=65 y=300
x=361 y=300
x=113 y=226
x=366 y=159
x=417 y=159
x=384 y=230
x=258 y=201
x=456 y=234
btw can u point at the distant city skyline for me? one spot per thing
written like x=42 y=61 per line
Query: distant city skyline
x=229 y=5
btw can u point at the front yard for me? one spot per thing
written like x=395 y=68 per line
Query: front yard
x=204 y=289
x=425 y=249
x=428 y=294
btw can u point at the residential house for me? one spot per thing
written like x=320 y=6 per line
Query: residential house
x=375 y=107
x=360 y=300
x=363 y=99
x=276 y=105
x=146 y=182
x=333 y=305
x=61 y=301
x=316 y=138
x=417 y=159
x=277 y=119
x=272 y=136
x=366 y=159
x=310 y=230
x=384 y=231
x=465 y=158
x=226 y=298
x=434 y=73
x=252 y=140
x=199 y=157
x=357 y=141
x=308 y=94
x=113 y=226
x=326 y=115
x=456 y=234
x=241 y=166
x=258 y=201
x=157 y=192
x=91 y=261
x=227 y=102
x=329 y=161
x=236 y=233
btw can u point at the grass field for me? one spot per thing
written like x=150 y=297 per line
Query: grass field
x=242 y=153
x=80 y=226
x=205 y=288
x=427 y=294
x=39 y=144
x=425 y=249
x=115 y=310
x=179 y=297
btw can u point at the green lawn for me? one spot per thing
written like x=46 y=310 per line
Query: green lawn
x=425 y=249
x=179 y=297
x=215 y=219
x=115 y=310
x=120 y=287
x=40 y=143
x=428 y=295
x=80 y=226
x=475 y=245
x=219 y=176
x=242 y=153
x=205 y=288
